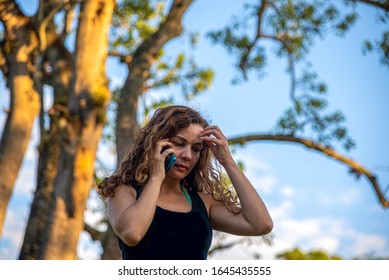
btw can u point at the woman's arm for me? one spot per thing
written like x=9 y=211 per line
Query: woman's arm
x=130 y=217
x=253 y=217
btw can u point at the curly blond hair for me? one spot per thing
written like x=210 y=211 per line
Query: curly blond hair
x=166 y=122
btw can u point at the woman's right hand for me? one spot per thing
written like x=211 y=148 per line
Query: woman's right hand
x=158 y=167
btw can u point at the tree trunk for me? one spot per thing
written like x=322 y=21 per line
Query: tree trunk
x=85 y=119
x=110 y=244
x=47 y=171
x=20 y=46
x=49 y=150
x=139 y=71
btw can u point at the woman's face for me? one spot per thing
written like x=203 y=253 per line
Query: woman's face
x=187 y=149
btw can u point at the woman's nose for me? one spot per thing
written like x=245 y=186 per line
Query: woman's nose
x=186 y=153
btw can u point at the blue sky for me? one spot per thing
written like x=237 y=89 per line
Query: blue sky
x=313 y=200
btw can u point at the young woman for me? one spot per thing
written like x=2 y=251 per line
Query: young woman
x=158 y=215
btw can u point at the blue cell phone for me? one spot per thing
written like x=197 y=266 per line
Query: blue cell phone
x=169 y=160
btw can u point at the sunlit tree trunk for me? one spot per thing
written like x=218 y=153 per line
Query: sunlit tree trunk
x=17 y=51
x=49 y=152
x=85 y=116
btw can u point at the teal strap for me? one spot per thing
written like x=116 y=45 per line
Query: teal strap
x=186 y=194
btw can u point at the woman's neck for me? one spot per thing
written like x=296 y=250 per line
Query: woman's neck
x=170 y=185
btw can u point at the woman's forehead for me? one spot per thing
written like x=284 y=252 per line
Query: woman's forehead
x=191 y=133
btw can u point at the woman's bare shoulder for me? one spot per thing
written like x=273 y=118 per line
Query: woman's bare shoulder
x=124 y=191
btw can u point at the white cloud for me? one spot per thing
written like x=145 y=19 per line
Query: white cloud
x=361 y=244
x=87 y=248
x=282 y=210
x=326 y=234
x=287 y=191
x=266 y=184
x=328 y=244
x=308 y=235
x=351 y=197
x=257 y=171
x=253 y=163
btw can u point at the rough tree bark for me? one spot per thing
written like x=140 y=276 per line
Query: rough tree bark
x=49 y=148
x=18 y=52
x=85 y=116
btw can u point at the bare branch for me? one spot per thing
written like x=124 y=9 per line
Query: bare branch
x=378 y=4
x=170 y=28
x=124 y=58
x=94 y=233
x=3 y=62
x=44 y=21
x=260 y=15
x=354 y=165
x=223 y=246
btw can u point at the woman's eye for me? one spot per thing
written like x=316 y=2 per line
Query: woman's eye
x=197 y=150
x=178 y=144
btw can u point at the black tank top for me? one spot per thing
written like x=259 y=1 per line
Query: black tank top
x=174 y=235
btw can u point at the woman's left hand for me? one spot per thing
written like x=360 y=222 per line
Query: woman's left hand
x=217 y=142
x=254 y=218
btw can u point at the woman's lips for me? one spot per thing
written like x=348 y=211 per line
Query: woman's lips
x=181 y=166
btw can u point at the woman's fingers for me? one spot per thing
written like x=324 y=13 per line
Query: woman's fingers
x=164 y=147
x=213 y=135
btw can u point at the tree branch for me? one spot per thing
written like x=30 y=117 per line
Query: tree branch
x=260 y=15
x=169 y=29
x=94 y=233
x=223 y=246
x=378 y=4
x=354 y=166
x=44 y=21
x=3 y=62
x=123 y=58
